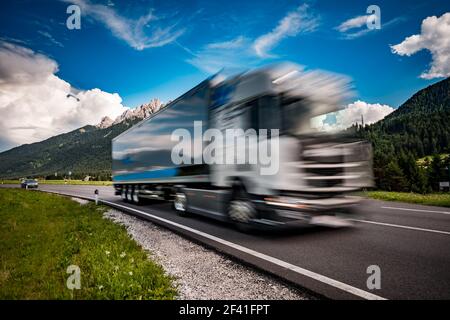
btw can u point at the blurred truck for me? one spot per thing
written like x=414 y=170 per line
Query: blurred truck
x=316 y=174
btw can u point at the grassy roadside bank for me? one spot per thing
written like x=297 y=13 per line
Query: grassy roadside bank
x=74 y=182
x=432 y=199
x=41 y=235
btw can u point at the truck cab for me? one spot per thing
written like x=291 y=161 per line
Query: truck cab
x=316 y=172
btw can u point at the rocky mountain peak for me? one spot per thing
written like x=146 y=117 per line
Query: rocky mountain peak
x=105 y=123
x=141 y=112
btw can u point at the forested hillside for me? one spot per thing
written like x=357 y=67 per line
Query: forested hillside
x=85 y=151
x=420 y=127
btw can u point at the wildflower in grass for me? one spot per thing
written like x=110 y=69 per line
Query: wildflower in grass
x=123 y=254
x=100 y=287
x=130 y=273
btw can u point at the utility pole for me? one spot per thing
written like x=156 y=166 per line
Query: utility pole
x=448 y=169
x=362 y=120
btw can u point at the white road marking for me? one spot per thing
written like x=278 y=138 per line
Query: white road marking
x=402 y=227
x=418 y=210
x=316 y=276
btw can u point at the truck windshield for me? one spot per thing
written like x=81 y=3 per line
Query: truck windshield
x=295 y=115
x=292 y=116
x=262 y=113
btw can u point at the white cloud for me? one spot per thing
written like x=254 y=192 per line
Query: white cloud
x=435 y=37
x=145 y=32
x=360 y=23
x=231 y=44
x=233 y=55
x=353 y=23
x=240 y=53
x=34 y=103
x=351 y=115
x=292 y=24
x=51 y=38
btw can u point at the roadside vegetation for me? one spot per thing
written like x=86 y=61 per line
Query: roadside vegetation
x=74 y=182
x=41 y=235
x=426 y=161
x=431 y=199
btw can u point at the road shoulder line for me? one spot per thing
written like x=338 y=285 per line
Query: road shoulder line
x=402 y=227
x=418 y=210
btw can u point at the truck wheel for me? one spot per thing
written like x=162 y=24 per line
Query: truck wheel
x=129 y=194
x=126 y=194
x=241 y=210
x=123 y=194
x=135 y=196
x=180 y=203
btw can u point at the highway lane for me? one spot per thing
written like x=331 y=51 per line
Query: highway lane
x=415 y=264
x=413 y=215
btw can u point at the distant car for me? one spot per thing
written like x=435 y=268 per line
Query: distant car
x=29 y=183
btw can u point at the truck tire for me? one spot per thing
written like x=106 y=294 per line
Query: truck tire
x=135 y=196
x=129 y=194
x=180 y=203
x=123 y=194
x=241 y=210
x=126 y=194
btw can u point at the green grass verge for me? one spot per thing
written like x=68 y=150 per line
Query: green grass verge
x=74 y=182
x=432 y=199
x=41 y=235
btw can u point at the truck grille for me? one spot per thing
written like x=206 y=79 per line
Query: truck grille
x=324 y=159
x=324 y=165
x=325 y=171
x=325 y=183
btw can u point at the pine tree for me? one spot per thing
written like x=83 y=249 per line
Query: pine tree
x=434 y=172
x=395 y=178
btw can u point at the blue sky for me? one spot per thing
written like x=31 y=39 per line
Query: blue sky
x=94 y=57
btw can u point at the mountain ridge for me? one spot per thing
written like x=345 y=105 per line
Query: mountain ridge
x=83 y=151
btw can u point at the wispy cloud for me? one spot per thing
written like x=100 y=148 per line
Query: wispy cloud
x=145 y=32
x=14 y=40
x=360 y=23
x=231 y=44
x=233 y=55
x=356 y=22
x=299 y=20
x=51 y=38
x=241 y=52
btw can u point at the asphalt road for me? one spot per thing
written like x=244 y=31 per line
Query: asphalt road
x=409 y=243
